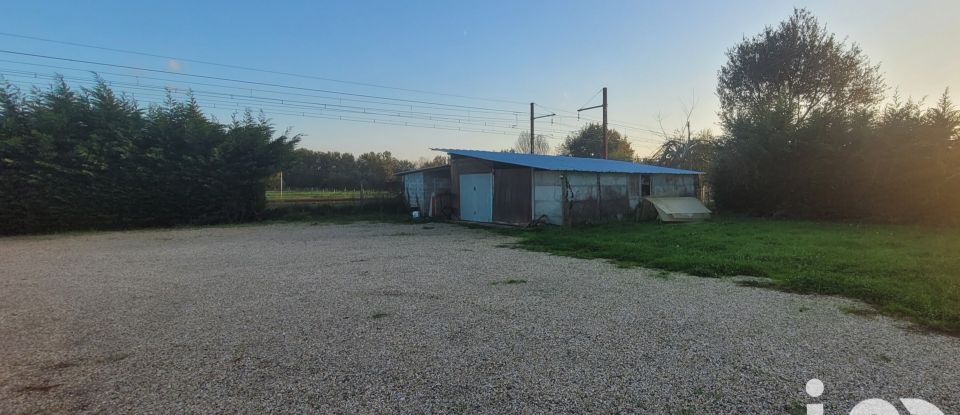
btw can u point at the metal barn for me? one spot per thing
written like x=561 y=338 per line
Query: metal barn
x=427 y=190
x=514 y=188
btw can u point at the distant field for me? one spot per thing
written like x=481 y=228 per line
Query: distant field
x=907 y=271
x=273 y=195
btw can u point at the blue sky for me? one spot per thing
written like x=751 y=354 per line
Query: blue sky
x=655 y=57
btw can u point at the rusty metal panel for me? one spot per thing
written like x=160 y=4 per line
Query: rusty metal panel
x=512 y=195
x=597 y=198
x=583 y=198
x=614 y=197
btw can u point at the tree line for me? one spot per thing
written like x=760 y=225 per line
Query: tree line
x=809 y=131
x=310 y=169
x=88 y=158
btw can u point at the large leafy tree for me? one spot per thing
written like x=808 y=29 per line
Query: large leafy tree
x=796 y=68
x=588 y=142
x=790 y=99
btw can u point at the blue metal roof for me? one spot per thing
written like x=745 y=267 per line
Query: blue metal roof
x=565 y=163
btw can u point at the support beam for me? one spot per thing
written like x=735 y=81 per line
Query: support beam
x=531 y=128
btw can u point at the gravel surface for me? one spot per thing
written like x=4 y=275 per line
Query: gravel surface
x=388 y=318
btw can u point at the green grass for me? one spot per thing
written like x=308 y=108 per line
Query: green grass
x=274 y=195
x=906 y=271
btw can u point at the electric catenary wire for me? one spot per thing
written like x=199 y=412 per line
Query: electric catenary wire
x=252 y=69
x=443 y=117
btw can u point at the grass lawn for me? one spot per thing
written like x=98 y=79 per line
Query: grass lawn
x=273 y=195
x=906 y=271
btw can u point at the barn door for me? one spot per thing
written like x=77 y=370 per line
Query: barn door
x=476 y=197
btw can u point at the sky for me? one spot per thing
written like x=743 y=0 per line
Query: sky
x=655 y=58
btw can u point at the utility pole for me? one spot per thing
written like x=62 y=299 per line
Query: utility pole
x=531 y=128
x=532 y=118
x=604 y=106
x=605 y=122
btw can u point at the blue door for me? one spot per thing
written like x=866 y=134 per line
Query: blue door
x=476 y=197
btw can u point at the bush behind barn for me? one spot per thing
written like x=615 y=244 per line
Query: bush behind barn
x=89 y=159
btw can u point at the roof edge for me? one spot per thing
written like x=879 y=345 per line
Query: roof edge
x=668 y=170
x=425 y=169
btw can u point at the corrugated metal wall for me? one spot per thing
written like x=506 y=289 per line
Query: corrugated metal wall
x=599 y=197
x=614 y=196
x=568 y=197
x=413 y=189
x=548 y=196
x=419 y=187
x=673 y=185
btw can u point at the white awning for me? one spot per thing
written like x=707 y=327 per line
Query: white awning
x=679 y=209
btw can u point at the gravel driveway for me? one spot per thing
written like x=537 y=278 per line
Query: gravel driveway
x=385 y=318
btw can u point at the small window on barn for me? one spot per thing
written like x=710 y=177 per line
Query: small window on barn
x=645 y=185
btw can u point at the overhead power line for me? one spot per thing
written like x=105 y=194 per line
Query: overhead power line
x=252 y=69
x=270 y=84
x=447 y=115
x=435 y=105
x=158 y=96
x=275 y=105
x=247 y=89
x=244 y=100
x=305 y=76
x=210 y=108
